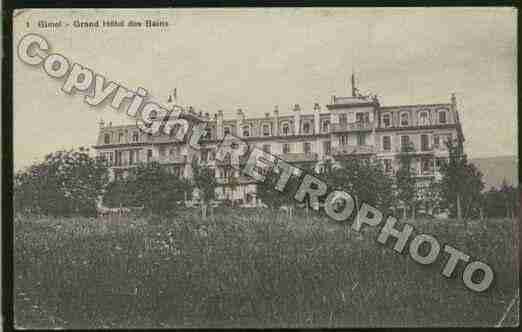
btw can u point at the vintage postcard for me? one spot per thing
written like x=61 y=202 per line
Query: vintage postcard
x=265 y=168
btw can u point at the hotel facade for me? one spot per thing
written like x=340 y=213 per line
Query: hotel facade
x=307 y=136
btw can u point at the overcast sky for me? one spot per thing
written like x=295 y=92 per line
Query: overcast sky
x=258 y=58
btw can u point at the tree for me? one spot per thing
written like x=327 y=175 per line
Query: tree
x=150 y=185
x=205 y=181
x=472 y=196
x=494 y=204
x=461 y=183
x=511 y=198
x=65 y=183
x=232 y=183
x=405 y=180
x=364 y=179
x=230 y=180
x=432 y=196
x=274 y=199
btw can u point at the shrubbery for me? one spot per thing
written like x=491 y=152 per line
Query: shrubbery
x=69 y=182
x=501 y=202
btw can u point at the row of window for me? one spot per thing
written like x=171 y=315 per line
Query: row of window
x=360 y=139
x=266 y=129
x=427 y=165
x=209 y=154
x=360 y=117
x=424 y=144
x=172 y=151
x=107 y=137
x=135 y=138
x=424 y=119
x=306 y=128
x=307 y=148
x=117 y=158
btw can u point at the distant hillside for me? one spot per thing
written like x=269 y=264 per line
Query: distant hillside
x=495 y=169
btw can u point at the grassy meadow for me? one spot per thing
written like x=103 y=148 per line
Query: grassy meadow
x=250 y=268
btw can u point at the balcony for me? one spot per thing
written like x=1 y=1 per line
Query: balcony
x=424 y=150
x=354 y=126
x=353 y=150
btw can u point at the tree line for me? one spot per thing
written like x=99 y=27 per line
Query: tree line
x=71 y=182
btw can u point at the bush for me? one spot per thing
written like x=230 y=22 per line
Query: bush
x=502 y=202
x=273 y=198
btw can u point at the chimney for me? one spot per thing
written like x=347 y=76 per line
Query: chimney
x=219 y=124
x=317 y=125
x=267 y=115
x=170 y=102
x=276 y=124
x=454 y=111
x=354 y=89
x=297 y=117
x=101 y=123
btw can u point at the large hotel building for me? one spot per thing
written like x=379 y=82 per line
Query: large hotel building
x=304 y=135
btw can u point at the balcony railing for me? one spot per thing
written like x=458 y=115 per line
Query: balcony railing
x=353 y=149
x=422 y=150
x=354 y=126
x=299 y=157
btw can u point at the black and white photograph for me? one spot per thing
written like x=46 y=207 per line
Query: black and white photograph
x=265 y=167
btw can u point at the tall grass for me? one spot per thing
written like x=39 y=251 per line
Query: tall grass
x=248 y=269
